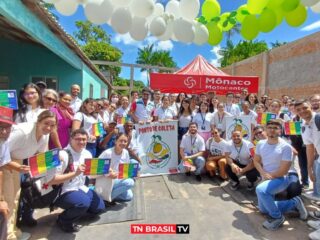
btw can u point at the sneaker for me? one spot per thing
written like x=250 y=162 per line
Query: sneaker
x=309 y=195
x=188 y=174
x=70 y=228
x=234 y=185
x=315 y=235
x=315 y=214
x=314 y=224
x=273 y=224
x=250 y=186
x=198 y=178
x=301 y=208
x=25 y=236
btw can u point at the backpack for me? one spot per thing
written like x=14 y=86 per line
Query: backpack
x=31 y=195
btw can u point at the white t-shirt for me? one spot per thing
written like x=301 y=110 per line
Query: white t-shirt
x=5 y=154
x=163 y=114
x=115 y=159
x=273 y=154
x=204 y=121
x=220 y=122
x=216 y=148
x=31 y=115
x=233 y=109
x=310 y=133
x=241 y=154
x=253 y=116
x=192 y=144
x=76 y=104
x=23 y=143
x=87 y=122
x=174 y=107
x=121 y=112
x=184 y=121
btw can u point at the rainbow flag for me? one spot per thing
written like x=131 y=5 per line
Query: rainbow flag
x=128 y=170
x=292 y=128
x=263 y=118
x=123 y=120
x=96 y=166
x=97 y=129
x=43 y=162
x=189 y=164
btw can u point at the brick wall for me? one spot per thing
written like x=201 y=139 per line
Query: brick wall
x=292 y=69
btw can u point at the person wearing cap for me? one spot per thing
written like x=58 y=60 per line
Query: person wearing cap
x=42 y=86
x=76 y=101
x=6 y=122
x=141 y=110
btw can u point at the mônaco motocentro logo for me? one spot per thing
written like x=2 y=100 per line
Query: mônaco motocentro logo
x=229 y=82
x=190 y=82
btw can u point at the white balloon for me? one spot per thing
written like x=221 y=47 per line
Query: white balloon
x=201 y=33
x=168 y=33
x=158 y=26
x=158 y=11
x=316 y=8
x=309 y=3
x=142 y=8
x=172 y=8
x=66 y=8
x=98 y=12
x=189 y=9
x=183 y=30
x=121 y=20
x=51 y=1
x=139 y=29
x=121 y=3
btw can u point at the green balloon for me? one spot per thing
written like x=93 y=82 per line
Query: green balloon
x=274 y=3
x=240 y=16
x=210 y=9
x=279 y=15
x=296 y=17
x=267 y=20
x=290 y=5
x=215 y=33
x=256 y=6
x=222 y=22
x=250 y=27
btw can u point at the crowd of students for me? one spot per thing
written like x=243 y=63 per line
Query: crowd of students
x=49 y=120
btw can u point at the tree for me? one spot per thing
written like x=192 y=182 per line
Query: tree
x=137 y=85
x=243 y=50
x=87 y=32
x=277 y=44
x=234 y=30
x=149 y=56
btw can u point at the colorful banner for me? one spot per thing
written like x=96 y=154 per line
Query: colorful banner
x=97 y=166
x=158 y=147
x=128 y=170
x=263 y=118
x=243 y=124
x=123 y=120
x=97 y=129
x=8 y=98
x=176 y=83
x=43 y=162
x=292 y=128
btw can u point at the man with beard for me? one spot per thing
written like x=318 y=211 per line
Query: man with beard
x=315 y=103
x=6 y=121
x=192 y=148
x=141 y=110
x=273 y=159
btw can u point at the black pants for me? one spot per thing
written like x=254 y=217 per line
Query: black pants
x=251 y=175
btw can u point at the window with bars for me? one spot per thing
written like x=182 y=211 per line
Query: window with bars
x=52 y=82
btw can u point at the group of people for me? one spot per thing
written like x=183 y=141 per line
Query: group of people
x=48 y=120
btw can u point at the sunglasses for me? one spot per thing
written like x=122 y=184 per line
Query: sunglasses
x=51 y=99
x=257 y=133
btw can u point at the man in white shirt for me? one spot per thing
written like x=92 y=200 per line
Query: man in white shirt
x=273 y=159
x=141 y=110
x=247 y=112
x=230 y=107
x=239 y=158
x=76 y=101
x=157 y=98
x=192 y=148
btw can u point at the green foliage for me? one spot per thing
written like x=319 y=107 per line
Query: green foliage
x=137 y=85
x=87 y=32
x=277 y=44
x=243 y=50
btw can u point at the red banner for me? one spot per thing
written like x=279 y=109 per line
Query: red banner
x=176 y=83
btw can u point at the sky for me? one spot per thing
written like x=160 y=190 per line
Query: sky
x=185 y=53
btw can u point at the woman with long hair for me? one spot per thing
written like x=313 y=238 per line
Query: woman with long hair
x=253 y=100
x=219 y=119
x=203 y=119
x=164 y=113
x=213 y=105
x=59 y=138
x=30 y=101
x=180 y=98
x=85 y=119
x=184 y=118
x=49 y=98
x=122 y=111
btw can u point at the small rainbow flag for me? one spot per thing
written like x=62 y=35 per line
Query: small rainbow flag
x=97 y=129
x=292 y=128
x=189 y=164
x=263 y=118
x=128 y=170
x=96 y=166
x=43 y=162
x=123 y=120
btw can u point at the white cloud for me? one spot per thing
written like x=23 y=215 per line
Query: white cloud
x=144 y=76
x=125 y=39
x=164 y=45
x=215 y=51
x=311 y=27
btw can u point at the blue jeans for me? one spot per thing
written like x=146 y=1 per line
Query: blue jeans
x=77 y=203
x=316 y=184
x=198 y=162
x=121 y=190
x=266 y=192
